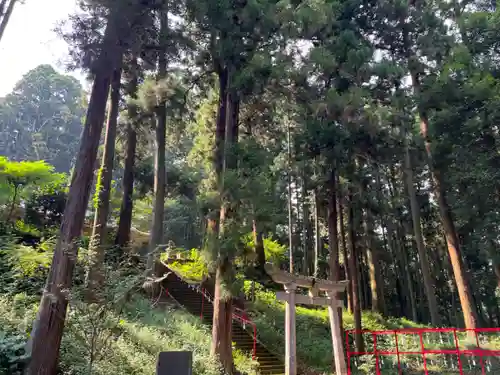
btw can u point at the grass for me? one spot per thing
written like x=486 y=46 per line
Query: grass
x=127 y=343
x=314 y=348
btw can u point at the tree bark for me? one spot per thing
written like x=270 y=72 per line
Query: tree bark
x=222 y=320
x=156 y=235
x=419 y=240
x=317 y=236
x=305 y=228
x=127 y=204
x=376 y=288
x=400 y=248
x=218 y=157
x=353 y=266
x=48 y=327
x=259 y=246
x=345 y=255
x=455 y=253
x=290 y=209
x=6 y=16
x=407 y=271
x=459 y=270
x=333 y=240
x=496 y=269
x=95 y=276
x=362 y=282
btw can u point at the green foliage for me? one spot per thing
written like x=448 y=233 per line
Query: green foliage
x=41 y=118
x=275 y=252
x=25 y=178
x=314 y=345
x=16 y=315
x=193 y=268
x=11 y=354
x=24 y=268
x=29 y=262
x=129 y=342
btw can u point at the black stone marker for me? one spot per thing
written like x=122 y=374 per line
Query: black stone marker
x=175 y=363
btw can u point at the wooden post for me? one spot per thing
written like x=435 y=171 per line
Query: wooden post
x=332 y=290
x=336 y=330
x=290 y=337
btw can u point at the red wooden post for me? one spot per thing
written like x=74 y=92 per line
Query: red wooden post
x=377 y=366
x=460 y=368
x=254 y=342
x=397 y=352
x=483 y=370
x=348 y=352
x=423 y=352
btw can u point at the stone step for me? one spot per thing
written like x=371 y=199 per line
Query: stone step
x=198 y=305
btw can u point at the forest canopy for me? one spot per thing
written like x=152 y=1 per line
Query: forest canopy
x=336 y=139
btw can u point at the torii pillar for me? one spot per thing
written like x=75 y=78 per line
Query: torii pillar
x=332 y=289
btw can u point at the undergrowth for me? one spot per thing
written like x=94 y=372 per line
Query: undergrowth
x=123 y=334
x=129 y=342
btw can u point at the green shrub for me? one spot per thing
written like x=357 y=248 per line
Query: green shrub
x=314 y=346
x=194 y=270
x=25 y=268
x=129 y=343
x=16 y=315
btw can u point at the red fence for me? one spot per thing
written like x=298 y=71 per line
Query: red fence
x=425 y=351
x=238 y=314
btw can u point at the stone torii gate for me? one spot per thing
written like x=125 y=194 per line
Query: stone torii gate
x=332 y=290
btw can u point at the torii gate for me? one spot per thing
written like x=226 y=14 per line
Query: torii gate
x=332 y=289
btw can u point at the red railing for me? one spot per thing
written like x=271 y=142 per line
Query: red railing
x=430 y=350
x=238 y=315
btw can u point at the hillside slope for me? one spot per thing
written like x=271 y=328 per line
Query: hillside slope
x=126 y=343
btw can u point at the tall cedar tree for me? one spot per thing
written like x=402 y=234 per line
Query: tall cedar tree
x=45 y=339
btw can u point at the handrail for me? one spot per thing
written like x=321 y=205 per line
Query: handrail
x=455 y=348
x=241 y=317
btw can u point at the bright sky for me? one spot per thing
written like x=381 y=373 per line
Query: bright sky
x=29 y=40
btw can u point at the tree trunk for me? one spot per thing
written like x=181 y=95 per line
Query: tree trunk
x=259 y=246
x=305 y=228
x=459 y=270
x=333 y=240
x=95 y=276
x=419 y=240
x=340 y=210
x=156 y=235
x=407 y=271
x=362 y=282
x=2 y=7
x=48 y=327
x=6 y=16
x=127 y=205
x=222 y=320
x=126 y=209
x=373 y=261
x=351 y=242
x=400 y=248
x=317 y=235
x=290 y=209
x=496 y=268
x=218 y=158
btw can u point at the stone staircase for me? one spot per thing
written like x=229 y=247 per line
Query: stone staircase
x=198 y=302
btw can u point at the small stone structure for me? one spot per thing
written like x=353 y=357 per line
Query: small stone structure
x=175 y=363
x=332 y=290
